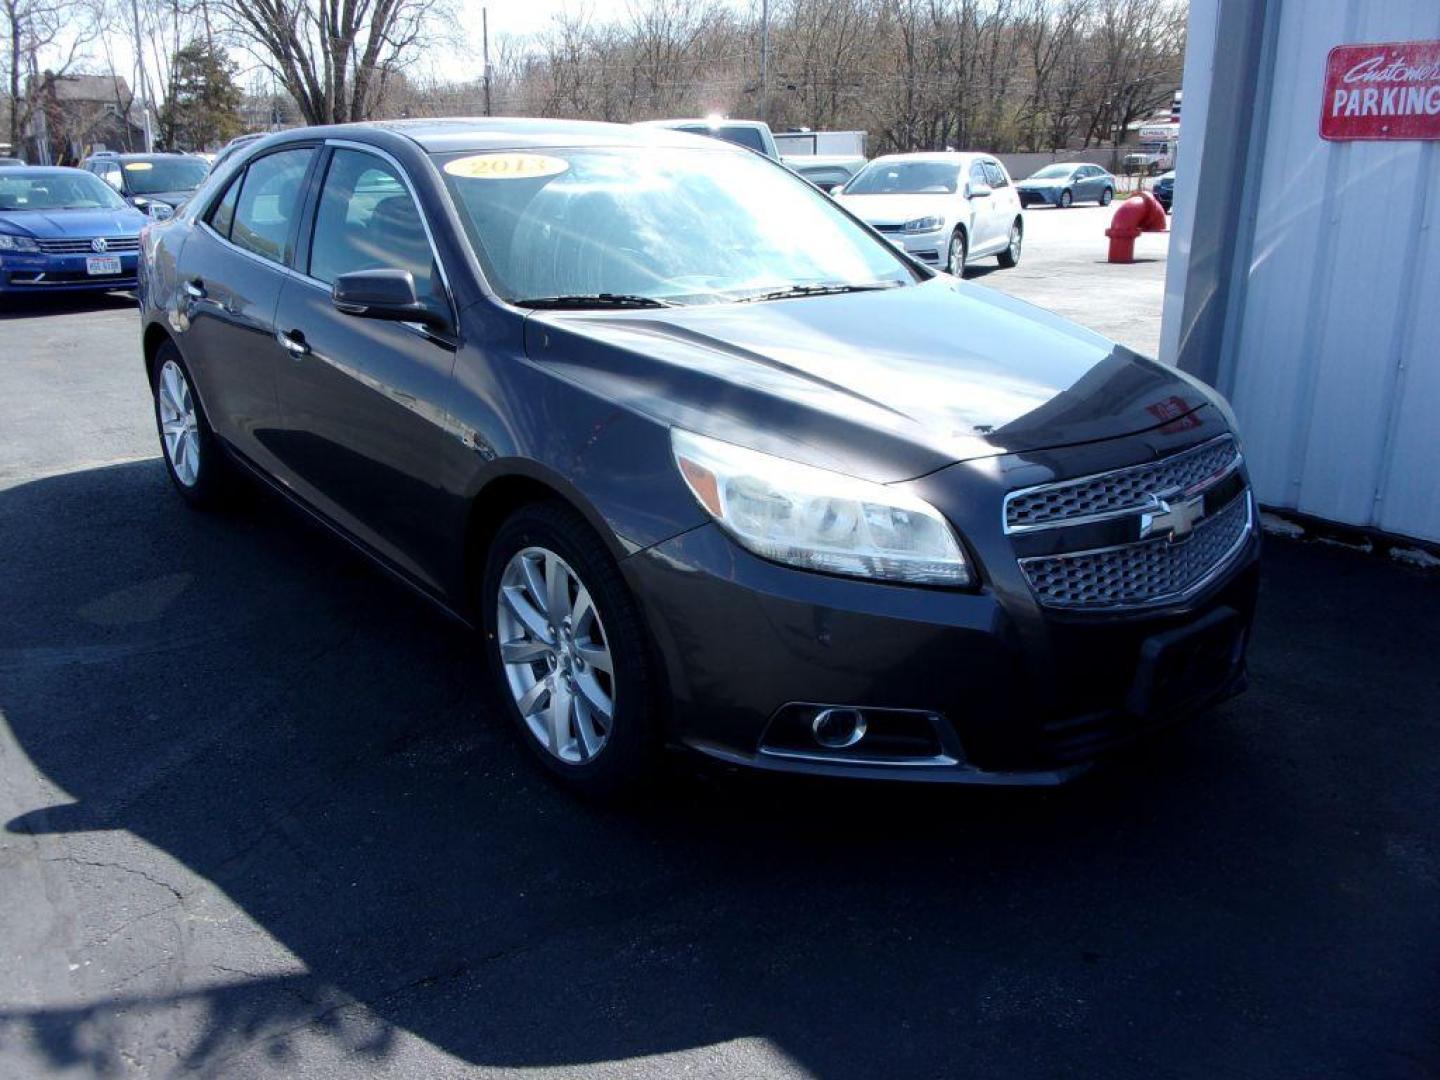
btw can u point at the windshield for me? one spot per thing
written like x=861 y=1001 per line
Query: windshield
x=906 y=178
x=23 y=190
x=683 y=226
x=1053 y=172
x=164 y=174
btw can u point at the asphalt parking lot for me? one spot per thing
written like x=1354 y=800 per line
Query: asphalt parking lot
x=1063 y=268
x=257 y=818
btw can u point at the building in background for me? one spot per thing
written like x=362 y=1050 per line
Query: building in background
x=78 y=114
x=1304 y=272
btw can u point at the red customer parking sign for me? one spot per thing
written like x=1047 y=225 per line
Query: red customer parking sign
x=1385 y=91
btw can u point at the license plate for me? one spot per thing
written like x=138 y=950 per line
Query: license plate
x=97 y=265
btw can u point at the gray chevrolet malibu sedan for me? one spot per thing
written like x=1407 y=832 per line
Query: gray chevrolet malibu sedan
x=705 y=460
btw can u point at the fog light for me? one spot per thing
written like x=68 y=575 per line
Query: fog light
x=838 y=729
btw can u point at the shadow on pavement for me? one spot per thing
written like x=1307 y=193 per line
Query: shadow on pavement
x=41 y=305
x=1256 y=895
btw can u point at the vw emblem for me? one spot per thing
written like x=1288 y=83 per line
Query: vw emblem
x=1174 y=520
x=99 y=244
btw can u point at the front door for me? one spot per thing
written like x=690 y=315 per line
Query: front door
x=364 y=400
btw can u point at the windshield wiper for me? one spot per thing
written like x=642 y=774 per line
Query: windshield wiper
x=594 y=300
x=817 y=290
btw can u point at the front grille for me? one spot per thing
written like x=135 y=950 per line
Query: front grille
x=1149 y=572
x=1122 y=491
x=114 y=245
x=890 y=228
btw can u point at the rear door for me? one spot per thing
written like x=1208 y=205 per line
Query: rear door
x=364 y=401
x=231 y=271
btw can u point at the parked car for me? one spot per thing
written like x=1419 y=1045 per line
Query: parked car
x=943 y=209
x=155 y=183
x=10 y=162
x=706 y=461
x=825 y=171
x=1067 y=182
x=1164 y=190
x=63 y=230
x=751 y=134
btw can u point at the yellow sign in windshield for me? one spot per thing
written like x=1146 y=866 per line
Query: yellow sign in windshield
x=506 y=166
x=138 y=166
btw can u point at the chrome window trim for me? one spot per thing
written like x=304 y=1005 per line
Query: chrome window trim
x=1110 y=515
x=1222 y=564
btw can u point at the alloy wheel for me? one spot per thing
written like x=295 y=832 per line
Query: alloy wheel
x=179 y=426
x=556 y=655
x=1015 y=240
x=955 y=263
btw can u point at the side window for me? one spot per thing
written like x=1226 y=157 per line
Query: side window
x=977 y=174
x=110 y=173
x=223 y=212
x=996 y=175
x=269 y=203
x=367 y=220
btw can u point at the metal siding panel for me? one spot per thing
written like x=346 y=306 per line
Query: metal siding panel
x=1333 y=302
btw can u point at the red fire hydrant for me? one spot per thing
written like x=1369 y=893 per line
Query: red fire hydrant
x=1137 y=214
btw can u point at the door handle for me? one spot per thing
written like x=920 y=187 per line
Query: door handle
x=293 y=342
x=195 y=289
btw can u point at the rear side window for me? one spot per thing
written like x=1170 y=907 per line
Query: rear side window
x=368 y=221
x=223 y=212
x=269 y=203
x=996 y=175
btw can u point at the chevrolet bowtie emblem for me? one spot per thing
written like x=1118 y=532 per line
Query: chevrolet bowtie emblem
x=1175 y=520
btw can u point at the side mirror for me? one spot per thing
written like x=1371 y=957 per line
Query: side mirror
x=979 y=191
x=382 y=294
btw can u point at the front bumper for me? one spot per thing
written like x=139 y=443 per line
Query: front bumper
x=1018 y=697
x=36 y=273
x=1038 y=196
x=927 y=247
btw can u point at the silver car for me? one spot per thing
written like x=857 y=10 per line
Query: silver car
x=944 y=209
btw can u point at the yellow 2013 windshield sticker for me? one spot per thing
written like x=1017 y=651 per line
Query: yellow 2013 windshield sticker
x=506 y=166
x=138 y=166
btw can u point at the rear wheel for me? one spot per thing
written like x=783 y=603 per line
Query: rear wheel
x=1066 y=199
x=956 y=254
x=192 y=454
x=568 y=652
x=1010 y=257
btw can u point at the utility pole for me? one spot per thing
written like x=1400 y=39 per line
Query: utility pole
x=485 y=53
x=764 y=60
x=144 y=81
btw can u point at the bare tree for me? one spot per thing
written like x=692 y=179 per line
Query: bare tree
x=60 y=31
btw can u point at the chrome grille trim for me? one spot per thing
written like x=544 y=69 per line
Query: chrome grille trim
x=114 y=245
x=1108 y=495
x=1149 y=573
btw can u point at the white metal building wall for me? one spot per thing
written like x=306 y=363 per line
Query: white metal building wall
x=1330 y=349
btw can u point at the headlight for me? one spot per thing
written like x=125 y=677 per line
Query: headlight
x=924 y=224
x=819 y=520
x=17 y=243
x=161 y=211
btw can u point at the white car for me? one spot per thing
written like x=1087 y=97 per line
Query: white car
x=943 y=209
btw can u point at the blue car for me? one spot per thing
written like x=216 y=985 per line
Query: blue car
x=63 y=230
x=1065 y=183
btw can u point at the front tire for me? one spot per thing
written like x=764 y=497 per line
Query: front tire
x=957 y=253
x=193 y=458
x=1066 y=199
x=1010 y=257
x=568 y=652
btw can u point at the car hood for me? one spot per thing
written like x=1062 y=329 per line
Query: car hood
x=174 y=198
x=887 y=385
x=896 y=209
x=59 y=224
x=1046 y=183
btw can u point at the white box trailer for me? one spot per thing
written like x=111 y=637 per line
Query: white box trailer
x=829 y=143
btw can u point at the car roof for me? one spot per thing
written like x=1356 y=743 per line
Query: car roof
x=34 y=171
x=107 y=155
x=702 y=121
x=514 y=133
